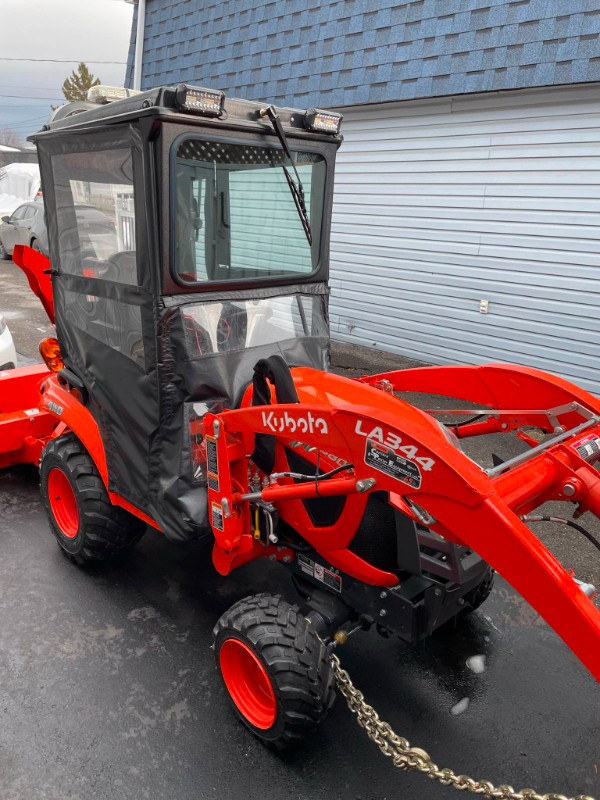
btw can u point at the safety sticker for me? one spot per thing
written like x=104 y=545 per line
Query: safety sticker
x=321 y=573
x=212 y=464
x=384 y=459
x=588 y=448
x=217 y=516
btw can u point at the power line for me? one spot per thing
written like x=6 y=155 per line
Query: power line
x=22 y=126
x=20 y=122
x=31 y=119
x=16 y=108
x=62 y=60
x=30 y=97
x=35 y=88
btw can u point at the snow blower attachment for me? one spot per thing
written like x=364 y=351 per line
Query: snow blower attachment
x=192 y=390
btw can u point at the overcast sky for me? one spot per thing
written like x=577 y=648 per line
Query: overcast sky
x=82 y=30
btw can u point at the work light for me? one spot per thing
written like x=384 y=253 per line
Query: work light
x=196 y=100
x=322 y=121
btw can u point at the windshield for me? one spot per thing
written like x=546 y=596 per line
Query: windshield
x=234 y=216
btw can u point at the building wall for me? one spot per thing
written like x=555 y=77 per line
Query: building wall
x=345 y=52
x=443 y=203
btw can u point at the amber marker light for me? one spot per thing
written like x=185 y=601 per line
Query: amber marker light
x=50 y=352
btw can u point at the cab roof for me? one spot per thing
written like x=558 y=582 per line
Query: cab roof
x=166 y=102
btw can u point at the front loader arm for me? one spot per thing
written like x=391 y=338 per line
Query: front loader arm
x=400 y=450
x=499 y=386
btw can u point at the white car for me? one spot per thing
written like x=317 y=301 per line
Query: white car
x=8 y=354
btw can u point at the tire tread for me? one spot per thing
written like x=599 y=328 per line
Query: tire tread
x=108 y=530
x=295 y=657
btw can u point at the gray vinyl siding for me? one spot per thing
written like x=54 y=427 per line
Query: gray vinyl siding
x=442 y=203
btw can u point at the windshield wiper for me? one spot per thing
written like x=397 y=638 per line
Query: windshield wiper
x=296 y=188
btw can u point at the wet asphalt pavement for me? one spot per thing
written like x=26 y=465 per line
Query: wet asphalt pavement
x=108 y=687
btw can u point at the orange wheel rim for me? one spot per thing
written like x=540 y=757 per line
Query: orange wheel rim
x=248 y=683
x=63 y=503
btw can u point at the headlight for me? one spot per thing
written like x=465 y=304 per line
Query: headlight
x=2 y=324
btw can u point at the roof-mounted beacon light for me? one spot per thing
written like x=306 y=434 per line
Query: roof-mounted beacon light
x=196 y=100
x=109 y=94
x=322 y=121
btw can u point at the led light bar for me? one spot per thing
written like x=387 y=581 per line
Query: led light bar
x=322 y=121
x=196 y=100
x=109 y=94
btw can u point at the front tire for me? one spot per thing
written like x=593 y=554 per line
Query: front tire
x=86 y=525
x=275 y=669
x=3 y=254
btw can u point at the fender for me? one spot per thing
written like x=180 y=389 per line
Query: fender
x=67 y=409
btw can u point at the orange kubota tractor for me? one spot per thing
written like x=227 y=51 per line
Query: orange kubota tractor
x=187 y=390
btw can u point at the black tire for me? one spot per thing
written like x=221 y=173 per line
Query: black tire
x=95 y=530
x=35 y=245
x=3 y=254
x=477 y=596
x=293 y=658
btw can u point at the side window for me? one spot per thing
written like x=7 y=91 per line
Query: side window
x=96 y=214
x=29 y=212
x=18 y=214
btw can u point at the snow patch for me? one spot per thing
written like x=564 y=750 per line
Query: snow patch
x=460 y=707
x=19 y=183
x=476 y=664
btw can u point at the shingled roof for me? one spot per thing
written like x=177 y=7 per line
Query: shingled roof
x=345 y=52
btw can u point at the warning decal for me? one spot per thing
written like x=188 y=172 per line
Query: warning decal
x=321 y=573
x=212 y=464
x=384 y=459
x=217 y=516
x=588 y=448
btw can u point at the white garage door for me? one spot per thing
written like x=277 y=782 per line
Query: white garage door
x=443 y=204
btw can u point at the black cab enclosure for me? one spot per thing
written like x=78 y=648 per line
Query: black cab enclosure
x=204 y=248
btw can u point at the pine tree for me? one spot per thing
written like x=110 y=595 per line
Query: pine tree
x=76 y=86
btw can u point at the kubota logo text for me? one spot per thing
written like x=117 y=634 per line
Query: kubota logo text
x=278 y=423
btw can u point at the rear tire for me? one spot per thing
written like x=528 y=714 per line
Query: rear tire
x=275 y=669
x=86 y=525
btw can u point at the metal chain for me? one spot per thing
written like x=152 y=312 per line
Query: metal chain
x=407 y=758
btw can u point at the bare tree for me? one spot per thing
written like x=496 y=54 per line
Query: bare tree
x=10 y=138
